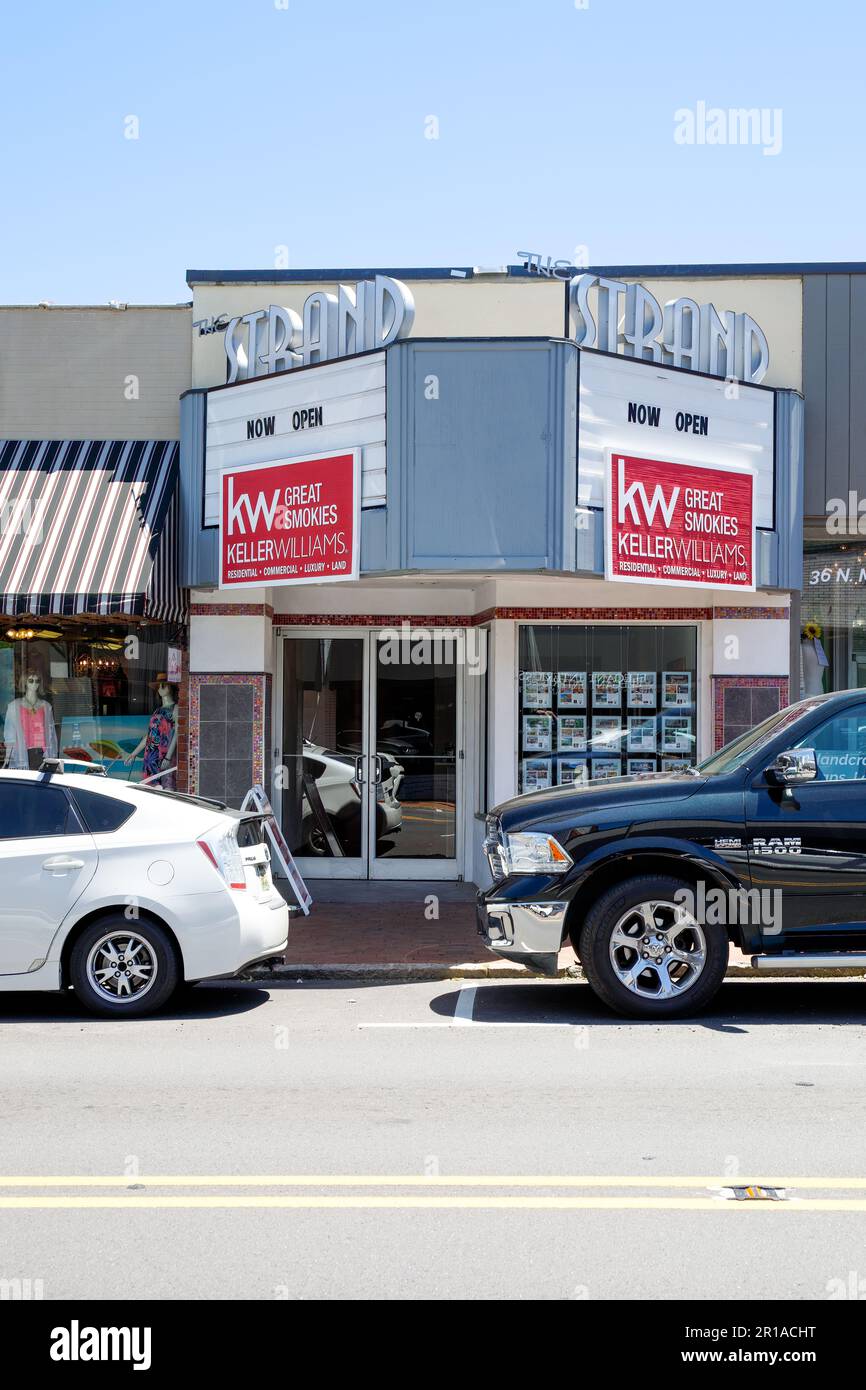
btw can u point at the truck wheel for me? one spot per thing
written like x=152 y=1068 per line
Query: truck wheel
x=123 y=969
x=645 y=955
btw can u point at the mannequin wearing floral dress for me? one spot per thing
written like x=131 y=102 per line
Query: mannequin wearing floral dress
x=29 y=733
x=160 y=741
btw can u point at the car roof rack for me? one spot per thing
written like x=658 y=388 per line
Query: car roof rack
x=52 y=765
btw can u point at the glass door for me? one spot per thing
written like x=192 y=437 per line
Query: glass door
x=367 y=781
x=323 y=809
x=416 y=760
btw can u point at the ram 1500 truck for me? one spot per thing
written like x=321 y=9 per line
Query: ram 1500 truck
x=651 y=877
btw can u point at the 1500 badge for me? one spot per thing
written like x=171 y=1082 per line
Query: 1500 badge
x=789 y=844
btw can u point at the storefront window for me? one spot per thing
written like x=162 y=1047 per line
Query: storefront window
x=833 y=616
x=605 y=701
x=99 y=693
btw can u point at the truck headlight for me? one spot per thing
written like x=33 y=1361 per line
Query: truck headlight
x=530 y=852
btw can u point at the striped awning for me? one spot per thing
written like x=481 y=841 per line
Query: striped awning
x=89 y=526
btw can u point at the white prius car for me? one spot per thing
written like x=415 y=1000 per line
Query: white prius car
x=120 y=891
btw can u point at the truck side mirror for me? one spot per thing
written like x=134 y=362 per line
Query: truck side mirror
x=793 y=767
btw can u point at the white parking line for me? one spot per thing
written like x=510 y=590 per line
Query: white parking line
x=465 y=1004
x=461 y=1022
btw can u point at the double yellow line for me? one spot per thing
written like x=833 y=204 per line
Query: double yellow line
x=598 y=1192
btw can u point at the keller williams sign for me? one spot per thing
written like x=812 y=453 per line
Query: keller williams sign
x=291 y=522
x=678 y=523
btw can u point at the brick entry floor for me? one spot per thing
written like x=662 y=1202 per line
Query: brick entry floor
x=365 y=923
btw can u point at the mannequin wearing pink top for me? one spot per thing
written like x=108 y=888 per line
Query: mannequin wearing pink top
x=29 y=733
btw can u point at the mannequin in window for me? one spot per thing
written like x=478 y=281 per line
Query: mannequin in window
x=159 y=744
x=29 y=733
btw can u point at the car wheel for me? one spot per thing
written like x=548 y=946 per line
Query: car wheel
x=316 y=842
x=646 y=955
x=123 y=969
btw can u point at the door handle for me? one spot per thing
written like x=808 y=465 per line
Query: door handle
x=61 y=863
x=359 y=769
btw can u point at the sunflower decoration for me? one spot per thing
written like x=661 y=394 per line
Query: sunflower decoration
x=812 y=631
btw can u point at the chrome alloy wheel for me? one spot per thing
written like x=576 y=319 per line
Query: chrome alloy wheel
x=122 y=965
x=658 y=950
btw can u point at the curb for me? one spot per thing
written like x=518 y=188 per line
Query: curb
x=407 y=972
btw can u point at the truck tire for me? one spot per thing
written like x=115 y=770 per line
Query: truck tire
x=123 y=969
x=646 y=956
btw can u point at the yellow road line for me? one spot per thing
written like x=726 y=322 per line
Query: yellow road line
x=240 y=1180
x=396 y=1203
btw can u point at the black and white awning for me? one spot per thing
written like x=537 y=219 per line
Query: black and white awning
x=89 y=526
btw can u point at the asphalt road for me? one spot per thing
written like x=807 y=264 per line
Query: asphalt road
x=623 y=1135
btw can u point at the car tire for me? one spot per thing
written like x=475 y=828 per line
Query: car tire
x=675 y=966
x=123 y=969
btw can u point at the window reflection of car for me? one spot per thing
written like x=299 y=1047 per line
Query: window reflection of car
x=337 y=807
x=396 y=738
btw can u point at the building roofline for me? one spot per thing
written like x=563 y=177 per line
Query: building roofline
x=353 y=273
x=732 y=269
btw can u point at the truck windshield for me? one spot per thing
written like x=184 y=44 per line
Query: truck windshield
x=735 y=754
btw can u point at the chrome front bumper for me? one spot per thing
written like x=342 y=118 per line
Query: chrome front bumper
x=528 y=933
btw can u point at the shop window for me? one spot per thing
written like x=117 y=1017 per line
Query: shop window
x=605 y=701
x=832 y=615
x=95 y=692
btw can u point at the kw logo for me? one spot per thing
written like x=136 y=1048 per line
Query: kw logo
x=261 y=508
x=625 y=500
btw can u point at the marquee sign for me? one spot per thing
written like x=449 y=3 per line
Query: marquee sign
x=679 y=523
x=655 y=412
x=275 y=339
x=291 y=522
x=329 y=409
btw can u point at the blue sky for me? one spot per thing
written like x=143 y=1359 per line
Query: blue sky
x=262 y=126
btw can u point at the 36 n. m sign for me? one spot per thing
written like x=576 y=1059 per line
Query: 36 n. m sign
x=295 y=521
x=679 y=523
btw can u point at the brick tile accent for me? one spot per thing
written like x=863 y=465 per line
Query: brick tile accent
x=231 y=610
x=749 y=715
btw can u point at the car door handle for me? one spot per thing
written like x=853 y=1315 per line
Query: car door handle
x=61 y=862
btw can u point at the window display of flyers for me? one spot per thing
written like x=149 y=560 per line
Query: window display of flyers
x=606 y=689
x=571 y=733
x=641 y=687
x=676 y=733
x=674 y=764
x=537 y=733
x=606 y=733
x=571 y=690
x=572 y=771
x=637 y=766
x=537 y=689
x=535 y=774
x=641 y=733
x=604 y=768
x=676 y=689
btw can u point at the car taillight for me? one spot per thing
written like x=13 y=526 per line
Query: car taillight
x=224 y=853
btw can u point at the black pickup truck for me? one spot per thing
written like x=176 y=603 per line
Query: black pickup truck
x=651 y=877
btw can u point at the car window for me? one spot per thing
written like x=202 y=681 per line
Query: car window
x=840 y=746
x=102 y=814
x=738 y=752
x=31 y=809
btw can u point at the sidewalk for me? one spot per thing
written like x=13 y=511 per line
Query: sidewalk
x=388 y=931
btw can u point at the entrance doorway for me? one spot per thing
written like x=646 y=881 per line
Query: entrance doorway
x=368 y=774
